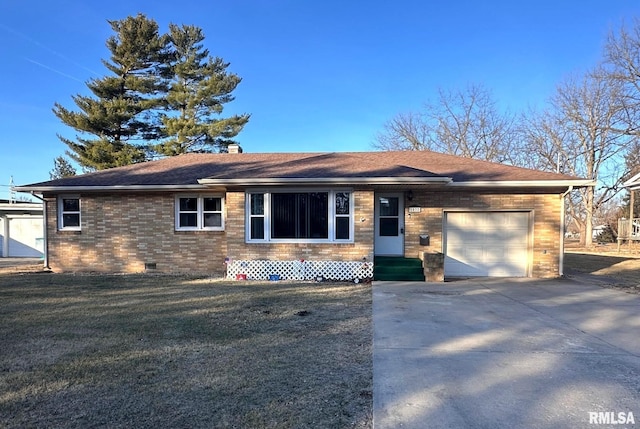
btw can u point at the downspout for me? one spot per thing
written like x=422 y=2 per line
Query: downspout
x=45 y=221
x=562 y=231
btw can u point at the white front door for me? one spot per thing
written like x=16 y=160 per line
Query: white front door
x=389 y=229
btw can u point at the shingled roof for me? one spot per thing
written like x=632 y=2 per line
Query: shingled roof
x=350 y=168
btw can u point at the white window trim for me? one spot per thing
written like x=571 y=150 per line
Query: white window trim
x=200 y=212
x=61 y=213
x=267 y=216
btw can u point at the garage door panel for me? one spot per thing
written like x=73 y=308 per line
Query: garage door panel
x=472 y=253
x=459 y=266
x=502 y=232
x=473 y=236
x=511 y=240
x=506 y=257
x=486 y=244
x=493 y=255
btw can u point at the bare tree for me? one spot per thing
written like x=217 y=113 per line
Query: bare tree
x=406 y=131
x=632 y=159
x=464 y=122
x=622 y=67
x=581 y=134
x=543 y=137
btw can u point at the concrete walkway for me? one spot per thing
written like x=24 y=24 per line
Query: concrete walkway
x=515 y=353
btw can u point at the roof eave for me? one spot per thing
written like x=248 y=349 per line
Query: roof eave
x=206 y=183
x=633 y=183
x=523 y=183
x=74 y=189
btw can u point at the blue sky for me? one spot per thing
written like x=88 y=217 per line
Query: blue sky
x=317 y=75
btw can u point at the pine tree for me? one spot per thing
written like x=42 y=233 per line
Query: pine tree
x=200 y=86
x=121 y=112
x=61 y=168
x=164 y=96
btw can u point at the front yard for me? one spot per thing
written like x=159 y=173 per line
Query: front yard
x=163 y=351
x=605 y=266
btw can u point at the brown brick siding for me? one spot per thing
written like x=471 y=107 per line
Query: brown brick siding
x=362 y=247
x=122 y=232
x=545 y=210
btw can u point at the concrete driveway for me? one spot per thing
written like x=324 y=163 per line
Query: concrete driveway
x=514 y=353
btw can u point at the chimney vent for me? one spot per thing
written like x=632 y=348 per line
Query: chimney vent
x=234 y=148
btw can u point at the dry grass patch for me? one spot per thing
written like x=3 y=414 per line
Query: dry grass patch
x=163 y=351
x=608 y=269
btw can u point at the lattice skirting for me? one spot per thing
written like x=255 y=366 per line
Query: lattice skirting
x=300 y=270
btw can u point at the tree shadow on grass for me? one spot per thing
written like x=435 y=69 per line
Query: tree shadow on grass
x=604 y=270
x=589 y=263
x=162 y=351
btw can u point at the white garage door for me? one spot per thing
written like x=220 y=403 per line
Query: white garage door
x=25 y=237
x=492 y=244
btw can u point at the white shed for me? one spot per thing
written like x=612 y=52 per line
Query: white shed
x=21 y=229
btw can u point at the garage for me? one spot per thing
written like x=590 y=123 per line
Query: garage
x=487 y=244
x=21 y=229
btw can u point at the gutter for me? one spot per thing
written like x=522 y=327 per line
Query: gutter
x=523 y=183
x=562 y=230
x=45 y=242
x=72 y=189
x=569 y=190
x=272 y=181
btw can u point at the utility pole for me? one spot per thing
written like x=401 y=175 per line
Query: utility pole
x=12 y=192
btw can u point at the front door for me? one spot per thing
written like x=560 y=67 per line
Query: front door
x=389 y=230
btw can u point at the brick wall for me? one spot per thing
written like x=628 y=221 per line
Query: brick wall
x=545 y=210
x=362 y=247
x=123 y=232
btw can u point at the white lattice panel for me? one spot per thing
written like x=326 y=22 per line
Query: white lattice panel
x=300 y=270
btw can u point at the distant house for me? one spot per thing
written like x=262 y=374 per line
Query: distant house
x=21 y=229
x=629 y=228
x=306 y=215
x=597 y=230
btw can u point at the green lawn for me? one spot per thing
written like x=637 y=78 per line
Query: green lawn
x=164 y=351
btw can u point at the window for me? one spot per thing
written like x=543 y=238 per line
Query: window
x=300 y=215
x=256 y=217
x=317 y=216
x=389 y=217
x=199 y=213
x=343 y=216
x=69 y=213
